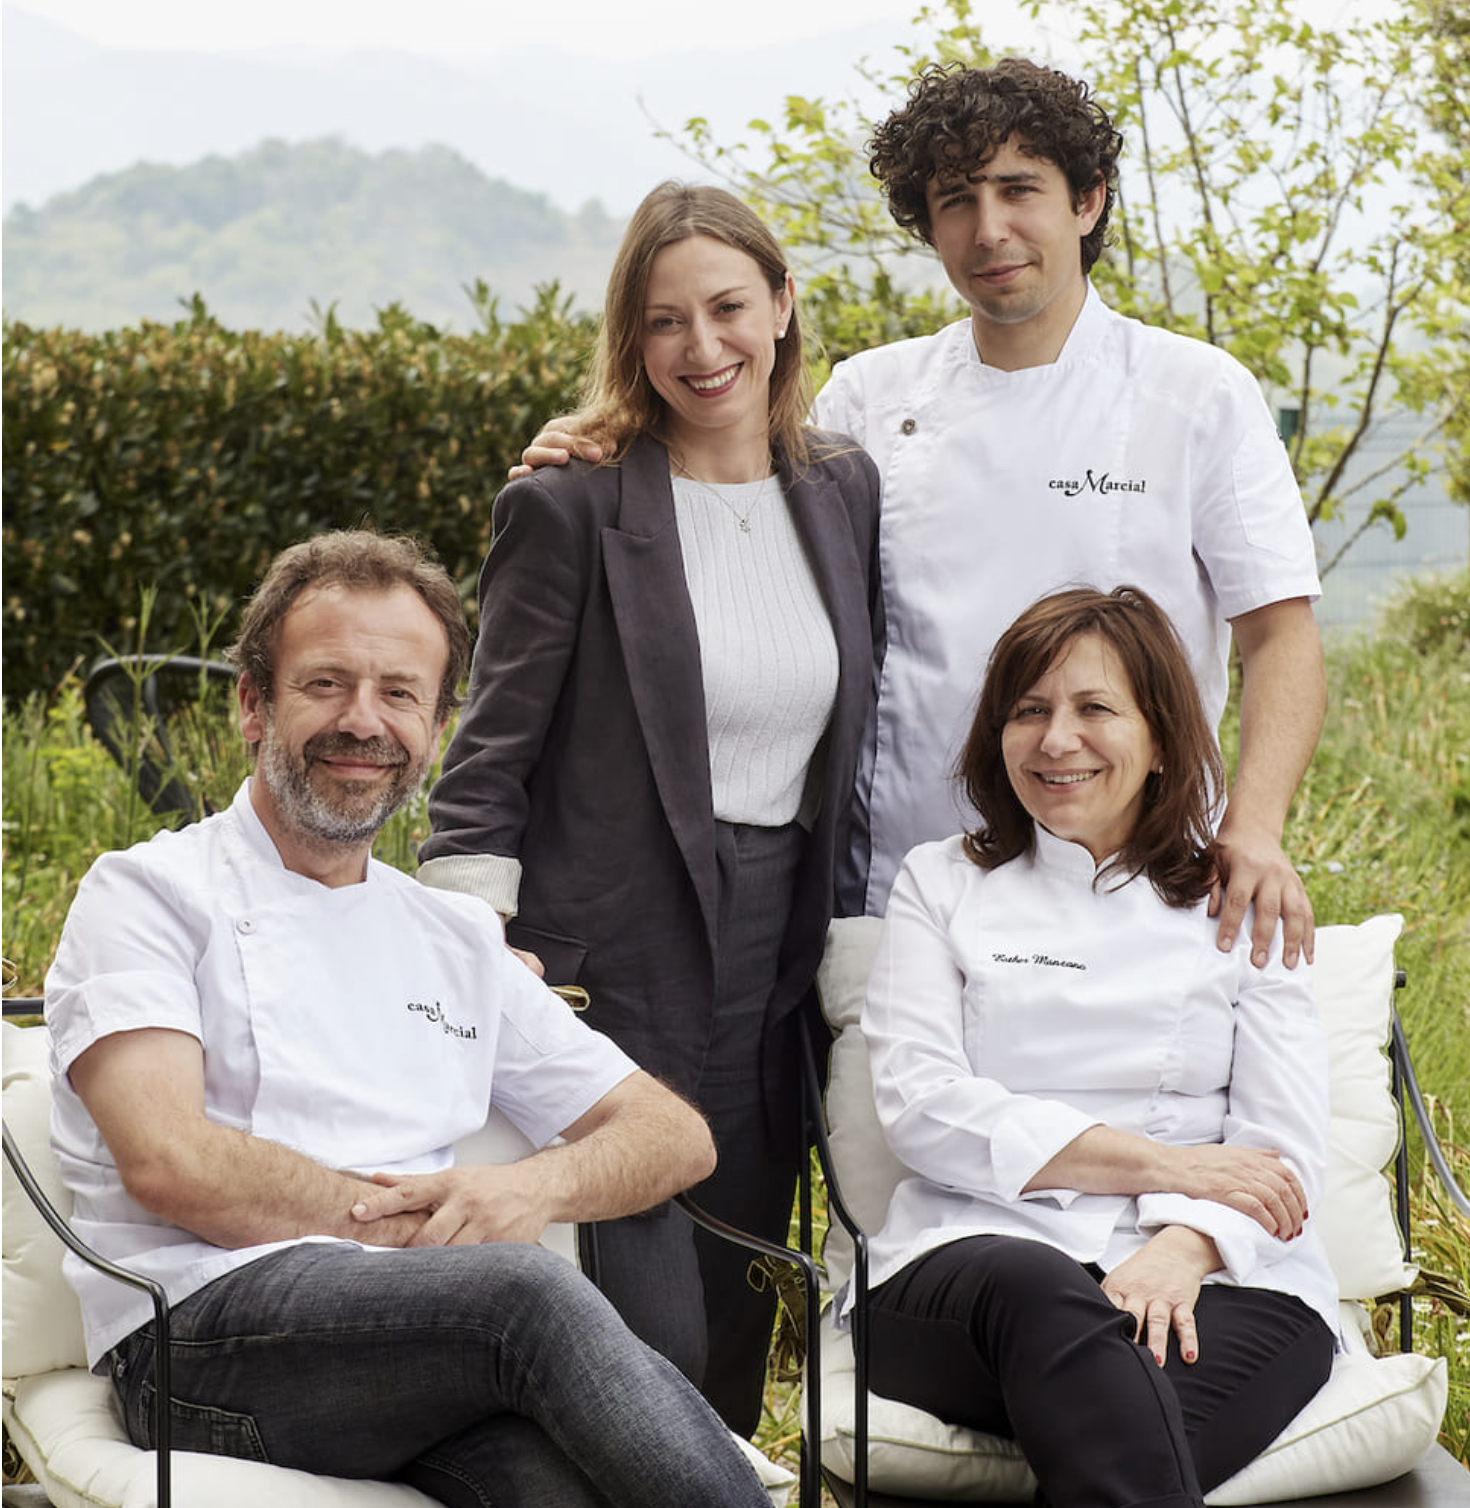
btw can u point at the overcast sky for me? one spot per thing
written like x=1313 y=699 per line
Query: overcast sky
x=441 y=28
x=69 y=116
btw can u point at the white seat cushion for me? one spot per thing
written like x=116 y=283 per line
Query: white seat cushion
x=1372 y=1421
x=66 y=1427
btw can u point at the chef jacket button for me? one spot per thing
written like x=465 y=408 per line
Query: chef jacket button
x=909 y=426
x=244 y=924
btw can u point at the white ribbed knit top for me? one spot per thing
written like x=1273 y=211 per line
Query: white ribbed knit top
x=766 y=645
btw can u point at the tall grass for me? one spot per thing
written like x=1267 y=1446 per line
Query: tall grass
x=1381 y=823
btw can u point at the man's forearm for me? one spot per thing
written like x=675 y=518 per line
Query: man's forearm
x=1282 y=706
x=145 y=1091
x=235 y=1190
x=637 y=1146
x=640 y=1145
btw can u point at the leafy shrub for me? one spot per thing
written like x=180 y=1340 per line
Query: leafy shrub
x=188 y=455
x=1430 y=612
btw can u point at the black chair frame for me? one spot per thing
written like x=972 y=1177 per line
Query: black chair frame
x=128 y=701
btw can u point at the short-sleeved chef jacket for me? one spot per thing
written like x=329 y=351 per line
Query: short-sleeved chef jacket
x=368 y=1026
x=1139 y=457
x=1009 y=1010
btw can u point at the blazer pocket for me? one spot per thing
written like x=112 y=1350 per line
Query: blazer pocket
x=561 y=956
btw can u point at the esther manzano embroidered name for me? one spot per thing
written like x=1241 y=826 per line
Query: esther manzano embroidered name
x=1103 y=483
x=435 y=1013
x=1045 y=960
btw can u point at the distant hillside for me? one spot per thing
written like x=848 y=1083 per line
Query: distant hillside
x=264 y=234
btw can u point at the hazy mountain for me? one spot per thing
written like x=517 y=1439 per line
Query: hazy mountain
x=132 y=177
x=573 y=127
x=263 y=235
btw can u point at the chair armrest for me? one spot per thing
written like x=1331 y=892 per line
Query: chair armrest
x=1432 y=1147
x=162 y=1380
x=811 y=1488
x=836 y=1205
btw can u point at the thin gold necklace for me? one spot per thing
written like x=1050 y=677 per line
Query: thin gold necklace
x=710 y=491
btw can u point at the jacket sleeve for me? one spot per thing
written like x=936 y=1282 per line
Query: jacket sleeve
x=1278 y=1101
x=533 y=588
x=839 y=405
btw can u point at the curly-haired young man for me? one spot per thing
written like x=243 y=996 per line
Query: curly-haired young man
x=1047 y=442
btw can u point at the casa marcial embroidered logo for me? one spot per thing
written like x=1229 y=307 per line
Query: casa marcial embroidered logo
x=435 y=1015
x=1104 y=483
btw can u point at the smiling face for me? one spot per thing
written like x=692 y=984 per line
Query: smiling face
x=1078 y=750
x=1010 y=238
x=710 y=325
x=351 y=728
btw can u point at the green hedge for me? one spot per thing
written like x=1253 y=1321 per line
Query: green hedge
x=187 y=455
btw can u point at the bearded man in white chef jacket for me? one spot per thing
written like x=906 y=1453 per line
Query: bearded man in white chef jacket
x=264 y=1045
x=1045 y=442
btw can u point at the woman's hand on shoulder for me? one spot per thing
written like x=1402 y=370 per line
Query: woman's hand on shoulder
x=1159 y=1286
x=555 y=445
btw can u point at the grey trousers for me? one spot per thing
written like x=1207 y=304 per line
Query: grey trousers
x=682 y=1290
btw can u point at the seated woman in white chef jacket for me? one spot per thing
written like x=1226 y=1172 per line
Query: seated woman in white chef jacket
x=1116 y=1130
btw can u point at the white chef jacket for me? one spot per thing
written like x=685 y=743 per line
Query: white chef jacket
x=1011 y=1009
x=1138 y=457
x=368 y=1026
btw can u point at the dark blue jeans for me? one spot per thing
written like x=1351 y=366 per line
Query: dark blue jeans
x=487 y=1376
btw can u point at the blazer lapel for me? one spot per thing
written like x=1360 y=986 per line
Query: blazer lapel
x=660 y=643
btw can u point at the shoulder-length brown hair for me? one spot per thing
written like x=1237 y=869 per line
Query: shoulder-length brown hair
x=618 y=400
x=1173 y=843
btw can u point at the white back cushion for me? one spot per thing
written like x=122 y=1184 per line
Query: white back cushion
x=42 y=1323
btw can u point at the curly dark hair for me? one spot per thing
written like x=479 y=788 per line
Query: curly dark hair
x=960 y=117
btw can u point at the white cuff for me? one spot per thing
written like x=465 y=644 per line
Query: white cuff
x=1031 y=1133
x=1244 y=1244
x=494 y=878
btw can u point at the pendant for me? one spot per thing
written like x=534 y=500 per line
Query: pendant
x=744 y=525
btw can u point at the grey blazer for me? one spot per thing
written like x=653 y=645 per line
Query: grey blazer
x=582 y=750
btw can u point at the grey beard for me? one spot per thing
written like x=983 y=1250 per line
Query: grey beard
x=314 y=813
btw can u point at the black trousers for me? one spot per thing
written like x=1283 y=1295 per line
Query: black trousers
x=1014 y=1338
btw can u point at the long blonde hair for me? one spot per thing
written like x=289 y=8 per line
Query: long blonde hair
x=618 y=400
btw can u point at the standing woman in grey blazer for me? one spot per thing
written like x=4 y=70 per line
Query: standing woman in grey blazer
x=652 y=773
